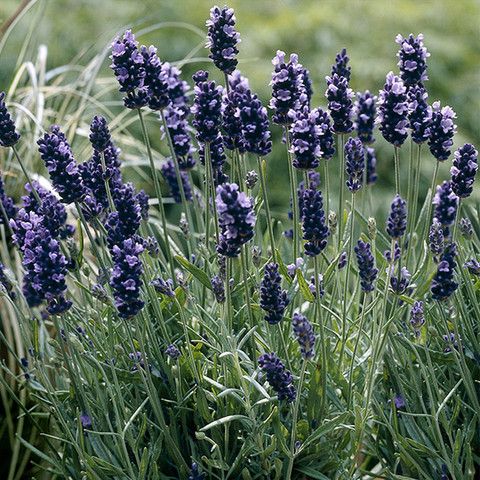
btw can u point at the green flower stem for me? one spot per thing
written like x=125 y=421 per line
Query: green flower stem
x=323 y=339
x=412 y=205
x=430 y=199
x=396 y=159
x=295 y=410
x=327 y=187
x=228 y=295
x=345 y=287
x=267 y=207
x=158 y=193
x=341 y=202
x=6 y=221
x=27 y=176
x=293 y=195
x=107 y=183
x=243 y=259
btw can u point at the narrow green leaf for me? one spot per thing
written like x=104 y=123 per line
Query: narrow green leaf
x=199 y=274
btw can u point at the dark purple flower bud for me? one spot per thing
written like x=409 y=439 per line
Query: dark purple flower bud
x=288 y=91
x=442 y=129
x=314 y=224
x=279 y=378
x=128 y=65
x=399 y=402
x=165 y=287
x=436 y=239
x=465 y=166
x=397 y=251
x=142 y=200
x=313 y=287
x=303 y=331
x=255 y=126
x=156 y=79
x=236 y=219
x=178 y=130
x=99 y=134
x=125 y=221
x=305 y=139
x=217 y=153
x=195 y=473
x=339 y=97
x=218 y=288
x=446 y=204
x=307 y=86
x=152 y=247
x=417 y=317
x=100 y=293
x=342 y=261
x=6 y=283
x=466 y=227
x=170 y=175
x=126 y=279
x=251 y=179
x=397 y=219
x=412 y=59
x=365 y=111
x=443 y=283
x=8 y=135
x=62 y=167
x=341 y=67
x=325 y=135
x=444 y=473
x=86 y=421
x=354 y=164
x=371 y=164
x=473 y=266
x=451 y=343
x=177 y=88
x=273 y=300
x=366 y=266
x=207 y=108
x=419 y=114
x=8 y=204
x=400 y=283
x=223 y=39
x=293 y=267
x=173 y=352
x=393 y=110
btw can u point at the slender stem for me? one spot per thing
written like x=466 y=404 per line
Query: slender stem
x=327 y=186
x=341 y=202
x=228 y=294
x=27 y=176
x=267 y=208
x=429 y=212
x=245 y=284
x=396 y=157
x=323 y=339
x=158 y=192
x=345 y=289
x=211 y=189
x=296 y=407
x=293 y=195
x=107 y=182
x=6 y=221
x=457 y=216
x=413 y=204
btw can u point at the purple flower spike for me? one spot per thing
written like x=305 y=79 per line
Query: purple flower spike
x=314 y=224
x=446 y=204
x=170 y=175
x=393 y=110
x=397 y=219
x=279 y=378
x=62 y=167
x=371 y=165
x=7 y=203
x=436 y=239
x=412 y=59
x=326 y=141
x=223 y=39
x=255 y=126
x=236 y=219
x=303 y=331
x=339 y=96
x=365 y=111
x=178 y=129
x=273 y=300
x=366 y=266
x=473 y=266
x=156 y=79
x=288 y=90
x=465 y=166
x=173 y=352
x=218 y=288
x=341 y=67
x=8 y=135
x=354 y=164
x=305 y=139
x=442 y=129
x=419 y=114
x=417 y=317
x=129 y=67
x=443 y=284
x=176 y=87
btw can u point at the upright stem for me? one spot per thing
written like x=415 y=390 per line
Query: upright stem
x=27 y=176
x=396 y=156
x=293 y=194
x=432 y=188
x=345 y=289
x=413 y=204
x=6 y=219
x=457 y=216
x=158 y=192
x=341 y=203
x=296 y=407
x=267 y=208
x=228 y=294
x=323 y=339
x=107 y=183
x=327 y=187
x=245 y=284
x=211 y=189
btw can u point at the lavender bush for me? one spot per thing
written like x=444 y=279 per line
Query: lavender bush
x=177 y=336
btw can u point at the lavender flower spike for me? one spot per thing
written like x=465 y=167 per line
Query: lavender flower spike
x=393 y=110
x=325 y=139
x=303 y=331
x=465 y=166
x=443 y=284
x=169 y=173
x=417 y=317
x=436 y=239
x=236 y=219
x=339 y=97
x=305 y=139
x=371 y=164
x=223 y=39
x=366 y=266
x=7 y=202
x=412 y=59
x=446 y=205
x=365 y=111
x=273 y=300
x=156 y=79
x=442 y=130
x=397 y=219
x=62 y=167
x=354 y=164
x=419 y=114
x=314 y=225
x=8 y=134
x=341 y=67
x=255 y=126
x=279 y=378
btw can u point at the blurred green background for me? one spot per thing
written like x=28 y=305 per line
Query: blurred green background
x=75 y=30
